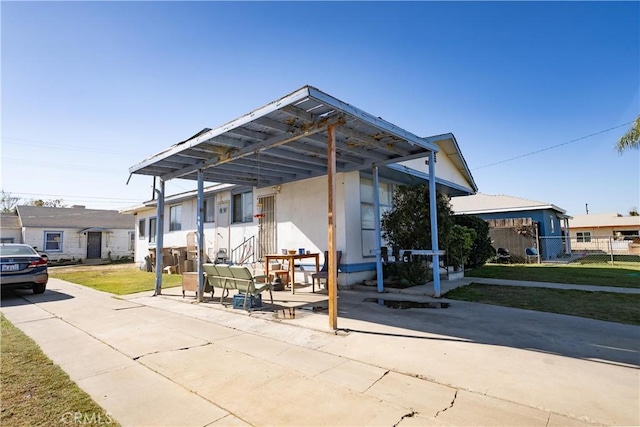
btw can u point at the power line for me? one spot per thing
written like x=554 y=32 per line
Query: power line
x=58 y=166
x=24 y=141
x=552 y=147
x=92 y=198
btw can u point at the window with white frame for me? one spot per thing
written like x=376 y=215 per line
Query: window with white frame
x=583 y=236
x=152 y=230
x=175 y=218
x=553 y=223
x=53 y=241
x=209 y=209
x=242 y=207
x=141 y=228
x=367 y=211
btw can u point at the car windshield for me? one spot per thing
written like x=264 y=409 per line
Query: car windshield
x=6 y=250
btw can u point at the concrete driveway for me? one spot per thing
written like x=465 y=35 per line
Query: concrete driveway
x=168 y=361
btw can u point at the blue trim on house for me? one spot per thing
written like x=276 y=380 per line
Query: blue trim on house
x=345 y=268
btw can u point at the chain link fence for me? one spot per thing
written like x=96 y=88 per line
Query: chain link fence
x=591 y=250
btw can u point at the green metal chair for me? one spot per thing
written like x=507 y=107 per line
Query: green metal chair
x=248 y=284
x=215 y=279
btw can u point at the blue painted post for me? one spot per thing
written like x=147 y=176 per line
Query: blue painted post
x=200 y=235
x=376 y=219
x=433 y=213
x=159 y=237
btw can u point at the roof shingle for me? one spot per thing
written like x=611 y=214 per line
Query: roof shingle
x=78 y=218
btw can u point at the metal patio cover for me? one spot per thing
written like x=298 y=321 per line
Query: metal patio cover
x=286 y=141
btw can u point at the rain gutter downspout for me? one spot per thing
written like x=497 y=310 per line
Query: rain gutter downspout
x=159 y=237
x=433 y=213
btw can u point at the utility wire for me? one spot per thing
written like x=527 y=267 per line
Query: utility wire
x=24 y=141
x=552 y=147
x=18 y=194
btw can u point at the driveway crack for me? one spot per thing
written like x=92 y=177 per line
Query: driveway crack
x=376 y=381
x=409 y=415
x=173 y=349
x=453 y=401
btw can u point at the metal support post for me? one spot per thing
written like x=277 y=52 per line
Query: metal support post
x=433 y=213
x=200 y=234
x=376 y=219
x=159 y=237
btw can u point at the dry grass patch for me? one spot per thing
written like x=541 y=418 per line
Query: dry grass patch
x=36 y=392
x=116 y=279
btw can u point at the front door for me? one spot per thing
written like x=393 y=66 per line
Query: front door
x=222 y=227
x=94 y=245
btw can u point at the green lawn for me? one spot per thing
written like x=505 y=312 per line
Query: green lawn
x=609 y=306
x=623 y=274
x=36 y=392
x=115 y=279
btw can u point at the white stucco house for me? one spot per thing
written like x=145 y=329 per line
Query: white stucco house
x=71 y=233
x=604 y=232
x=299 y=172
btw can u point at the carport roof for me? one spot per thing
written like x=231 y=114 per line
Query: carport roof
x=286 y=141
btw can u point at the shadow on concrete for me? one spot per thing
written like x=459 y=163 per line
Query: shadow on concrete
x=18 y=297
x=558 y=334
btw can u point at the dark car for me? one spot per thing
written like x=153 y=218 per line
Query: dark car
x=23 y=267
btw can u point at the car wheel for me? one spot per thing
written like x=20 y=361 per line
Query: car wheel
x=39 y=288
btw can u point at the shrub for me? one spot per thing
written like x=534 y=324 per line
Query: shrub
x=481 y=249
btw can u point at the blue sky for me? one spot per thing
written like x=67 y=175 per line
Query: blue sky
x=92 y=88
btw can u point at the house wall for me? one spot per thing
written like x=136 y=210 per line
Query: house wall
x=445 y=169
x=11 y=233
x=550 y=230
x=74 y=244
x=301 y=217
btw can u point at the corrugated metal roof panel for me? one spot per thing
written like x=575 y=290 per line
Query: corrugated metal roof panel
x=286 y=141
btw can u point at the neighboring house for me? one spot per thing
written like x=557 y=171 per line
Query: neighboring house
x=68 y=233
x=10 y=228
x=599 y=232
x=274 y=187
x=517 y=223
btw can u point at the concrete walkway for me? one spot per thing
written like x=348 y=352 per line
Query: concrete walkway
x=167 y=361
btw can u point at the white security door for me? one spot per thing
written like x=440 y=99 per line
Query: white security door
x=267 y=226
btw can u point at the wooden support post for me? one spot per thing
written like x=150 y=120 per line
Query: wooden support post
x=333 y=268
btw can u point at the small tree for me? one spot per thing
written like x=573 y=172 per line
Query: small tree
x=408 y=224
x=481 y=250
x=8 y=202
x=459 y=243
